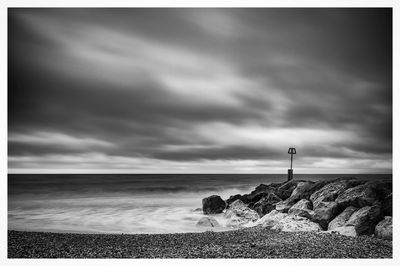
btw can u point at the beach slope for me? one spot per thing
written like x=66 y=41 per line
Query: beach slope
x=253 y=242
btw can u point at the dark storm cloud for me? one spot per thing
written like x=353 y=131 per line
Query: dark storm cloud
x=195 y=85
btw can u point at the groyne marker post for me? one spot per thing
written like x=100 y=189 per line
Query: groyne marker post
x=291 y=151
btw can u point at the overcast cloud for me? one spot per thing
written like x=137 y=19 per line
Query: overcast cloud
x=200 y=90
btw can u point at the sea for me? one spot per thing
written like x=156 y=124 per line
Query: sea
x=128 y=203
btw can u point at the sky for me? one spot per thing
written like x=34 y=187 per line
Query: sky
x=199 y=90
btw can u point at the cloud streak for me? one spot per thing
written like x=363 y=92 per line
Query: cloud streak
x=175 y=90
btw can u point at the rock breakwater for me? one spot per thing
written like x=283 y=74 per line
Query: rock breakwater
x=347 y=206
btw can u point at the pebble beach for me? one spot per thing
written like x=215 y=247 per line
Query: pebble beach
x=256 y=242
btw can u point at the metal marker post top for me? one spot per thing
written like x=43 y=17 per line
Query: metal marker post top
x=291 y=151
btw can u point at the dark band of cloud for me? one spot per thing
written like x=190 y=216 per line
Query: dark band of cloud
x=200 y=87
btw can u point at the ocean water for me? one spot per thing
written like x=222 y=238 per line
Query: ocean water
x=126 y=203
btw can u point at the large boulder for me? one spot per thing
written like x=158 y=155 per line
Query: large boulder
x=302 y=208
x=213 y=204
x=365 y=194
x=294 y=223
x=325 y=213
x=285 y=222
x=208 y=222
x=346 y=230
x=359 y=196
x=330 y=191
x=285 y=190
x=238 y=214
x=300 y=189
x=236 y=197
x=266 y=204
x=365 y=219
x=271 y=219
x=384 y=229
x=342 y=218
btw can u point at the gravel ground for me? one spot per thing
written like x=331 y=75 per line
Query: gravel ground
x=253 y=242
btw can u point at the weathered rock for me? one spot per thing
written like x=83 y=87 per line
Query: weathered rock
x=330 y=191
x=325 y=213
x=285 y=222
x=365 y=219
x=342 y=218
x=302 y=208
x=239 y=214
x=293 y=223
x=268 y=188
x=256 y=195
x=266 y=204
x=285 y=205
x=213 y=204
x=384 y=229
x=208 y=222
x=365 y=194
x=301 y=188
x=285 y=190
x=302 y=213
x=270 y=219
x=305 y=189
x=308 y=190
x=346 y=230
x=387 y=205
x=236 y=197
x=303 y=204
x=302 y=191
x=359 y=196
x=237 y=205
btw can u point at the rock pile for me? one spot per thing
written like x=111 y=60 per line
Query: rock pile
x=347 y=206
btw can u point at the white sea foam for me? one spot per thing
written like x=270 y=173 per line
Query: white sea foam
x=151 y=213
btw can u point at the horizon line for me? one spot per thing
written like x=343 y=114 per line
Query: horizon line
x=180 y=173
